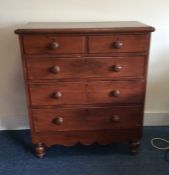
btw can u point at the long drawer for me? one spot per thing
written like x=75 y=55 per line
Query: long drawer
x=91 y=118
x=87 y=92
x=96 y=67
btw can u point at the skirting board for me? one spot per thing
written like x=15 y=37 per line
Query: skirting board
x=16 y=122
x=156 y=119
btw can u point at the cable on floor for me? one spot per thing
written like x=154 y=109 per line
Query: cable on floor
x=161 y=148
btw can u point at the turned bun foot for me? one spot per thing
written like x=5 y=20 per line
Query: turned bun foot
x=134 y=147
x=40 y=150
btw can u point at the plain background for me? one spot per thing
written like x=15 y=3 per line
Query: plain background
x=14 y=13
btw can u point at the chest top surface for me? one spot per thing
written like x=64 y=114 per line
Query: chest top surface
x=52 y=27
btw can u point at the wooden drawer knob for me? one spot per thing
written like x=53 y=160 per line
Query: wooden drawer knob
x=118 y=44
x=55 y=69
x=117 y=68
x=115 y=93
x=57 y=95
x=53 y=45
x=115 y=119
x=58 y=120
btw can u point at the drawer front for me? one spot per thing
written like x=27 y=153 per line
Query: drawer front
x=53 y=44
x=58 y=93
x=118 y=43
x=93 y=118
x=116 y=92
x=87 y=92
x=58 y=68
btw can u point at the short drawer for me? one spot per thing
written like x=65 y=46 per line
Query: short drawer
x=47 y=44
x=118 y=43
x=94 y=67
x=58 y=93
x=116 y=92
x=91 y=118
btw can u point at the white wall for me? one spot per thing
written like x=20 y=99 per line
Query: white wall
x=16 y=12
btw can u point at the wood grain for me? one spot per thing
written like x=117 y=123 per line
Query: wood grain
x=93 y=67
x=85 y=82
x=91 y=118
x=83 y=27
x=103 y=137
x=72 y=93
x=89 y=92
x=129 y=92
x=42 y=44
x=107 y=44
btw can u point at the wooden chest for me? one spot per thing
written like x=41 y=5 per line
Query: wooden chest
x=85 y=82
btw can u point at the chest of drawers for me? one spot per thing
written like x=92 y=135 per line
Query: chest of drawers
x=85 y=82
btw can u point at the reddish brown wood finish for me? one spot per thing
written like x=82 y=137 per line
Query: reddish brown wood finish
x=118 y=43
x=40 y=150
x=84 y=27
x=48 y=44
x=71 y=93
x=93 y=67
x=91 y=118
x=91 y=92
x=87 y=137
x=134 y=146
x=85 y=82
x=115 y=92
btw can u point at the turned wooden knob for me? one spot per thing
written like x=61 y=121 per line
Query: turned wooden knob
x=118 y=44
x=53 y=45
x=115 y=119
x=115 y=93
x=58 y=120
x=55 y=69
x=117 y=68
x=57 y=95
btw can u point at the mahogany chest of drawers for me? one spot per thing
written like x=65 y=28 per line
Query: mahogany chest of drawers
x=85 y=82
